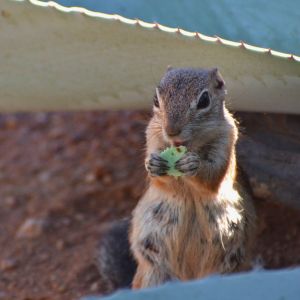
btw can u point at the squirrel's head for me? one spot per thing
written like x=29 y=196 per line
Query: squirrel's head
x=189 y=103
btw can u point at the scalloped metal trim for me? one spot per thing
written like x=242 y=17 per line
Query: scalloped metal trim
x=143 y=24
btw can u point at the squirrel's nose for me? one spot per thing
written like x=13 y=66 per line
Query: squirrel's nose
x=173 y=131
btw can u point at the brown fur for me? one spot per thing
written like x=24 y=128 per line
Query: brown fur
x=200 y=223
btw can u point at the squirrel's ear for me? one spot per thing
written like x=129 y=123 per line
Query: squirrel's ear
x=169 y=68
x=217 y=79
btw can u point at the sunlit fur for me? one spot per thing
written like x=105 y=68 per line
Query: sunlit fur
x=200 y=223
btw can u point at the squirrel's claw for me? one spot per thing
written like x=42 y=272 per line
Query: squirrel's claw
x=156 y=166
x=188 y=164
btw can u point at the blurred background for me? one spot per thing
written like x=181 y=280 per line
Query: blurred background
x=65 y=175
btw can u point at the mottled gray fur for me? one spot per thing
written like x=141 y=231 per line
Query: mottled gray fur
x=202 y=222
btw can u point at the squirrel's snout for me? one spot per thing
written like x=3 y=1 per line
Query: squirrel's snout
x=172 y=131
x=174 y=138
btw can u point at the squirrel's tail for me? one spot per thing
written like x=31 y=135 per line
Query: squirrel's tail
x=114 y=258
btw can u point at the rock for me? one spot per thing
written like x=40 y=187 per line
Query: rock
x=60 y=245
x=94 y=287
x=56 y=132
x=41 y=118
x=62 y=289
x=107 y=179
x=8 y=264
x=79 y=217
x=44 y=176
x=100 y=171
x=260 y=189
x=43 y=257
x=53 y=277
x=66 y=222
x=11 y=122
x=10 y=201
x=31 y=228
x=90 y=178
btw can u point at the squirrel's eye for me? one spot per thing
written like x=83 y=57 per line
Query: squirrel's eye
x=155 y=101
x=203 y=101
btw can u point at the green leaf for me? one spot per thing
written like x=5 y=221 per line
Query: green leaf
x=172 y=155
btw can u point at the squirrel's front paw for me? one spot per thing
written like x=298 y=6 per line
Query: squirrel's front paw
x=188 y=164
x=156 y=165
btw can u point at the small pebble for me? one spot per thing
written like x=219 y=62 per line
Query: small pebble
x=60 y=245
x=260 y=189
x=66 y=221
x=44 y=257
x=56 y=132
x=41 y=118
x=10 y=201
x=11 y=122
x=107 y=179
x=31 y=228
x=44 y=176
x=90 y=178
x=62 y=288
x=94 y=287
x=53 y=277
x=8 y=264
x=99 y=171
x=79 y=217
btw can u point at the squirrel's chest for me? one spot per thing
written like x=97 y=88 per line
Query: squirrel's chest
x=186 y=233
x=182 y=222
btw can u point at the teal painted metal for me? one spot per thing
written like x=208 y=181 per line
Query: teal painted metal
x=269 y=24
x=262 y=285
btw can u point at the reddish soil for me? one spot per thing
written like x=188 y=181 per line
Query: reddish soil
x=69 y=174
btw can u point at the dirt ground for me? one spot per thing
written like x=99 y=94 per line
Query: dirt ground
x=62 y=177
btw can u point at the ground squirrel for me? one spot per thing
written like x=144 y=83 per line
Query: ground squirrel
x=202 y=222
